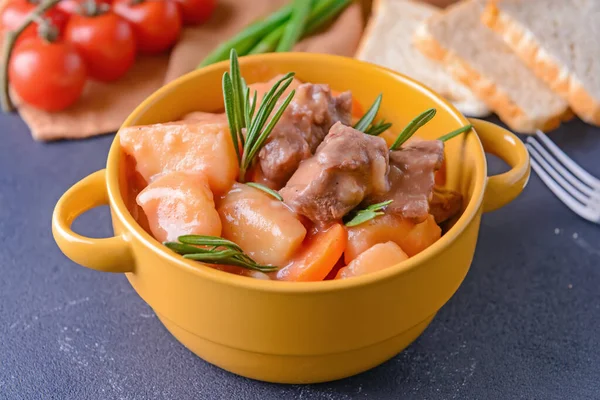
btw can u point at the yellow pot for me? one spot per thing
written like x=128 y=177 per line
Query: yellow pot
x=284 y=331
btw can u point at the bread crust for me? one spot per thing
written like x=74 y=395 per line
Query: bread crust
x=474 y=108
x=542 y=64
x=368 y=31
x=484 y=88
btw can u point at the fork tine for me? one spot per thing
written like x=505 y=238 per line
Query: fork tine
x=570 y=189
x=574 y=205
x=558 y=167
x=568 y=162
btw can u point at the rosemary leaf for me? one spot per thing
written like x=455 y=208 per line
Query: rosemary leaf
x=369 y=116
x=201 y=240
x=412 y=127
x=182 y=248
x=455 y=133
x=372 y=211
x=215 y=256
x=234 y=130
x=229 y=257
x=377 y=129
x=238 y=93
x=247 y=107
x=253 y=106
x=265 y=189
x=256 y=146
x=267 y=105
x=215 y=250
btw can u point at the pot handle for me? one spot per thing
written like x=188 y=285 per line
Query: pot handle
x=503 y=188
x=107 y=254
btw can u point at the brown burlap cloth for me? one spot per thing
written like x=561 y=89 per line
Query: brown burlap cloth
x=103 y=107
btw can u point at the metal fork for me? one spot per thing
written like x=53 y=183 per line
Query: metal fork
x=573 y=185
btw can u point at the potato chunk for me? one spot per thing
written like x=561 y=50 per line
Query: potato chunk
x=382 y=229
x=376 y=258
x=412 y=238
x=183 y=146
x=421 y=237
x=179 y=203
x=265 y=228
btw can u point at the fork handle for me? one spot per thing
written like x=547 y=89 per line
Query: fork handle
x=503 y=188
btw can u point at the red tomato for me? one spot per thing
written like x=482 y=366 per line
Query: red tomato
x=156 y=23
x=72 y=6
x=16 y=11
x=196 y=11
x=105 y=41
x=49 y=76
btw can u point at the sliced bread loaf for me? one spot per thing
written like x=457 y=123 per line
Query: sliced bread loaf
x=560 y=41
x=480 y=59
x=388 y=42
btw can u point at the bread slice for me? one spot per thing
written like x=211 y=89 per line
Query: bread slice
x=560 y=41
x=388 y=42
x=480 y=59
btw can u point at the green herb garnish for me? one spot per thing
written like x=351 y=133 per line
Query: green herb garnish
x=455 y=133
x=323 y=12
x=412 y=127
x=263 y=36
x=247 y=38
x=215 y=250
x=265 y=189
x=241 y=113
x=293 y=30
x=378 y=128
x=368 y=213
x=366 y=120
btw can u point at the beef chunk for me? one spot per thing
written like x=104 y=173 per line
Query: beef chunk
x=301 y=129
x=411 y=179
x=444 y=204
x=347 y=167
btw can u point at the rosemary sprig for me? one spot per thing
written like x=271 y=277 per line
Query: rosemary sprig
x=455 y=133
x=215 y=250
x=366 y=120
x=412 y=127
x=378 y=128
x=368 y=213
x=243 y=114
x=265 y=189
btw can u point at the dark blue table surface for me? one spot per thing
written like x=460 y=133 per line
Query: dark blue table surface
x=524 y=324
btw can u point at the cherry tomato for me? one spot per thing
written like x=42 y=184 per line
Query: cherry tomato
x=72 y=6
x=196 y=11
x=16 y=11
x=156 y=23
x=49 y=76
x=105 y=41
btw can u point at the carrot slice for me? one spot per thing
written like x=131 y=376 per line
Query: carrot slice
x=319 y=254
